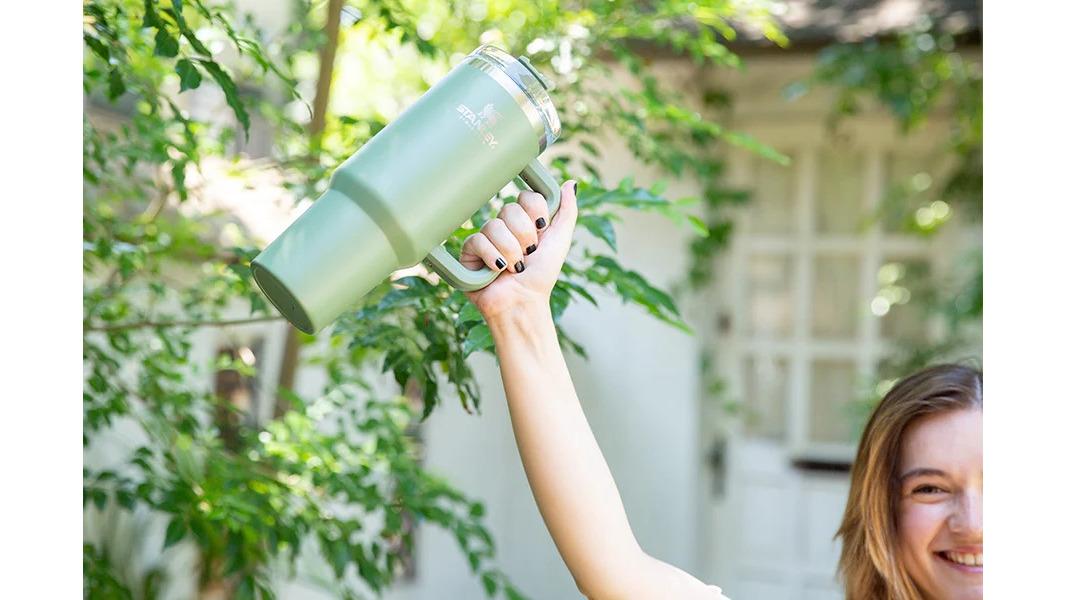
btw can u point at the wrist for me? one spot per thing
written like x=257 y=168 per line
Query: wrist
x=522 y=321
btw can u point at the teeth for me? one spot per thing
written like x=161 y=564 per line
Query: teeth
x=971 y=560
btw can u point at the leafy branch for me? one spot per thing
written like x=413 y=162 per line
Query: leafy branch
x=188 y=323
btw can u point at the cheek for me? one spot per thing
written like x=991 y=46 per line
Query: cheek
x=919 y=525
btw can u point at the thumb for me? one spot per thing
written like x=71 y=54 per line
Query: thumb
x=556 y=239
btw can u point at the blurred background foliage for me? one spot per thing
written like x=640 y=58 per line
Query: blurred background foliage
x=912 y=75
x=338 y=473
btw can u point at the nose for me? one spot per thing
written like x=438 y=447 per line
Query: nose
x=967 y=518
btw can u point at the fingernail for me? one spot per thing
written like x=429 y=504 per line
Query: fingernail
x=531 y=248
x=541 y=223
x=519 y=267
x=500 y=264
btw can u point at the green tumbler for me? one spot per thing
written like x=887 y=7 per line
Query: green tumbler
x=395 y=201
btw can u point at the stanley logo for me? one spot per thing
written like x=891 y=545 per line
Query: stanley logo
x=481 y=122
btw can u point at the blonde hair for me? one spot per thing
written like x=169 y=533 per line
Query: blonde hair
x=869 y=565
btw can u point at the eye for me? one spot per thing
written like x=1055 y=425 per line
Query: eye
x=928 y=488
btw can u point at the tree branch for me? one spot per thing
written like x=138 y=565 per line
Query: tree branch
x=186 y=323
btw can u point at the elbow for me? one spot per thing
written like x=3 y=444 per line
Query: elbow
x=595 y=592
x=591 y=587
x=605 y=592
x=642 y=579
x=606 y=584
x=595 y=586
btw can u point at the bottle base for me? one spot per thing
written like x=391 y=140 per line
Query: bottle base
x=282 y=299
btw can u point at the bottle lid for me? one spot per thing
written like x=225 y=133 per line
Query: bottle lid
x=529 y=87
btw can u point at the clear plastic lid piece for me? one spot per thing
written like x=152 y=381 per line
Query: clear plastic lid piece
x=533 y=85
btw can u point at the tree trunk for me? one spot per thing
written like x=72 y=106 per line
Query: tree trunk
x=326 y=57
x=325 y=74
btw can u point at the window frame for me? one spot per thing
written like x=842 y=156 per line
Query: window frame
x=871 y=246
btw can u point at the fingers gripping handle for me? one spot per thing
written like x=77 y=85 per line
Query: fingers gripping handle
x=534 y=177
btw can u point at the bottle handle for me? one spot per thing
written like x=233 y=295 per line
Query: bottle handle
x=536 y=177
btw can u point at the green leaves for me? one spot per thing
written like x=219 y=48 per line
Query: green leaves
x=165 y=44
x=489 y=584
x=478 y=338
x=115 y=85
x=632 y=287
x=224 y=81
x=171 y=20
x=189 y=74
x=176 y=530
x=596 y=204
x=151 y=17
x=244 y=498
x=99 y=576
x=599 y=226
x=245 y=590
x=469 y=314
x=97 y=46
x=748 y=142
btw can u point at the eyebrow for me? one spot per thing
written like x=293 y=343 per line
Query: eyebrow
x=922 y=471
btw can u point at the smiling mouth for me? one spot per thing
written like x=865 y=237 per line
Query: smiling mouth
x=963 y=559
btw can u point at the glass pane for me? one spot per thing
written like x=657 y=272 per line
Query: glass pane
x=770 y=296
x=833 y=397
x=765 y=389
x=838 y=202
x=836 y=296
x=912 y=181
x=902 y=285
x=772 y=206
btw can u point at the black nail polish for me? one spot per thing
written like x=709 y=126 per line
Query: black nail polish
x=531 y=249
x=500 y=264
x=541 y=223
x=519 y=267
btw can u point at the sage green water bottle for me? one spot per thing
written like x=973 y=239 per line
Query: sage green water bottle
x=395 y=201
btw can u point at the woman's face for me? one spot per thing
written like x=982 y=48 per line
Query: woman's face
x=939 y=515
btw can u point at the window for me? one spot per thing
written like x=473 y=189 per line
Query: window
x=827 y=282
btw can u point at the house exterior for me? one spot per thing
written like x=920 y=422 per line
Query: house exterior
x=748 y=502
x=786 y=321
x=751 y=504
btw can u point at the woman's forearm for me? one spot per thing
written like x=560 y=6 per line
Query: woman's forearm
x=569 y=477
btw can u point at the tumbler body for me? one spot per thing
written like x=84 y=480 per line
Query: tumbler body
x=401 y=195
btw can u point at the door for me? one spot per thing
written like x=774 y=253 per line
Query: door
x=809 y=299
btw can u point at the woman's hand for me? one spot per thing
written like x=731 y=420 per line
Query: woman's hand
x=532 y=256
